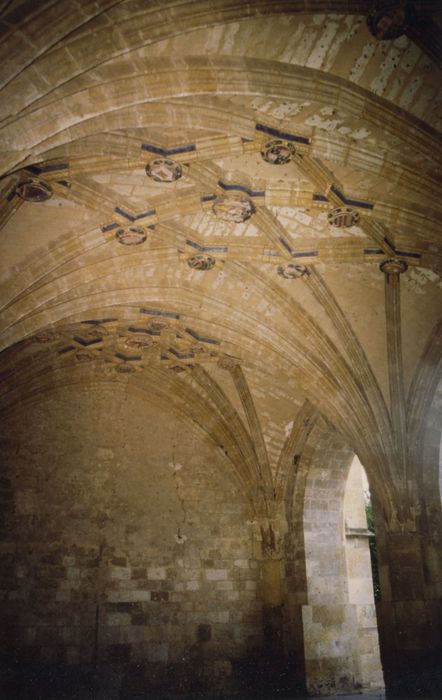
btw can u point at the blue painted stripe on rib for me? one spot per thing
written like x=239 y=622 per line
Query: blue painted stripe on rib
x=158 y=312
x=389 y=243
x=358 y=203
x=286 y=245
x=168 y=151
x=11 y=194
x=350 y=202
x=135 y=329
x=98 y=321
x=109 y=227
x=128 y=358
x=407 y=254
x=337 y=192
x=320 y=198
x=309 y=254
x=201 y=338
x=281 y=134
x=193 y=244
x=181 y=355
x=206 y=249
x=86 y=342
x=373 y=251
x=66 y=349
x=126 y=215
x=142 y=214
x=53 y=166
x=241 y=188
x=207 y=197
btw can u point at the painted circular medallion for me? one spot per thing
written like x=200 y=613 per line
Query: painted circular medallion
x=131 y=236
x=393 y=266
x=233 y=207
x=343 y=217
x=389 y=19
x=277 y=152
x=292 y=271
x=201 y=262
x=34 y=190
x=164 y=170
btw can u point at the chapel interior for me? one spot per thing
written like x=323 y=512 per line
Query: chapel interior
x=220 y=349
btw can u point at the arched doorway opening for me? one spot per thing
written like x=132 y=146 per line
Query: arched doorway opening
x=362 y=572
x=341 y=646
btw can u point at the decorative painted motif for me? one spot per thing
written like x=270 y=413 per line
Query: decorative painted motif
x=131 y=236
x=277 y=152
x=343 y=217
x=125 y=369
x=177 y=368
x=227 y=362
x=84 y=356
x=292 y=271
x=164 y=170
x=46 y=337
x=393 y=266
x=390 y=19
x=141 y=342
x=234 y=208
x=201 y=262
x=159 y=325
x=198 y=349
x=34 y=190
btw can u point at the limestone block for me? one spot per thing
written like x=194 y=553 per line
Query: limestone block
x=216 y=574
x=156 y=573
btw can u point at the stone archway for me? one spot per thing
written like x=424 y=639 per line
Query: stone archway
x=340 y=645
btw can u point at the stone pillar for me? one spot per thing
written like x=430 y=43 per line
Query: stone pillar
x=331 y=619
x=410 y=610
x=272 y=605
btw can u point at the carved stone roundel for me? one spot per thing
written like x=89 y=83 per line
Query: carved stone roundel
x=140 y=341
x=131 y=236
x=34 y=190
x=158 y=325
x=227 y=363
x=343 y=217
x=292 y=271
x=164 y=170
x=393 y=266
x=125 y=369
x=277 y=152
x=234 y=208
x=201 y=262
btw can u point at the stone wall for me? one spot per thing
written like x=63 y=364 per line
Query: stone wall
x=123 y=543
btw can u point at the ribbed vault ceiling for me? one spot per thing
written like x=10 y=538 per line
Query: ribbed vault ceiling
x=290 y=318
